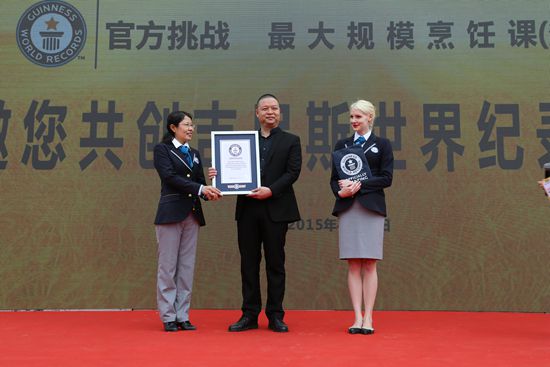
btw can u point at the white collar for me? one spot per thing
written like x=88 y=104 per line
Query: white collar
x=177 y=144
x=366 y=136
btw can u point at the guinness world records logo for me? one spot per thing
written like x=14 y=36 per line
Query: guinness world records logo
x=235 y=150
x=51 y=33
x=351 y=164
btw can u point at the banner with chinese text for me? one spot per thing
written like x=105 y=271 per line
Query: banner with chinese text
x=461 y=90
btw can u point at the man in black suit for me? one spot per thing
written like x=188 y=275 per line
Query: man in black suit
x=263 y=217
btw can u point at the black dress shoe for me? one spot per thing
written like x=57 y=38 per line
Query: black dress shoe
x=186 y=325
x=244 y=323
x=355 y=330
x=170 y=326
x=367 y=331
x=278 y=325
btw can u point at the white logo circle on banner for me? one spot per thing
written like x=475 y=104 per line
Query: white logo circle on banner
x=51 y=33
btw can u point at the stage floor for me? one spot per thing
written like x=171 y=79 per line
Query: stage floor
x=316 y=338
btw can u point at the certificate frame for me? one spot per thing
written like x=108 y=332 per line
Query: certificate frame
x=236 y=157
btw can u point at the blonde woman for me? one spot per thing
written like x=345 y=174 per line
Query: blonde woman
x=361 y=209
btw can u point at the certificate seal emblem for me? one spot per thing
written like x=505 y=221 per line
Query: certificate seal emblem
x=51 y=33
x=235 y=150
x=351 y=164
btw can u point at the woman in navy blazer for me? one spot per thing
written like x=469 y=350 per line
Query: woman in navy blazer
x=179 y=216
x=361 y=209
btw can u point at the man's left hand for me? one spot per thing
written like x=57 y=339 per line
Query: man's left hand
x=260 y=193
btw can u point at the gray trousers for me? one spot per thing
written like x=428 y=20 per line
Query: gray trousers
x=177 y=246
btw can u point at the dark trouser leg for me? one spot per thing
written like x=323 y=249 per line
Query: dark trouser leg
x=249 y=237
x=274 y=236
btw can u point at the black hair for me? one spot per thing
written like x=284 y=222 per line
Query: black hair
x=174 y=118
x=267 y=95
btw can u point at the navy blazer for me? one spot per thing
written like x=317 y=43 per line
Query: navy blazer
x=379 y=154
x=180 y=184
x=282 y=168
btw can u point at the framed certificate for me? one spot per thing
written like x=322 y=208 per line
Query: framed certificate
x=236 y=157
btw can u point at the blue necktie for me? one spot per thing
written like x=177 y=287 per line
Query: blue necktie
x=359 y=141
x=185 y=150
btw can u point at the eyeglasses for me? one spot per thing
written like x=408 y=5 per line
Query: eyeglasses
x=191 y=126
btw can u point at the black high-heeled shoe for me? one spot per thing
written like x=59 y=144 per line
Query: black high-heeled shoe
x=367 y=331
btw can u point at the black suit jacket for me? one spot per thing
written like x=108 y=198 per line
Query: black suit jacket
x=371 y=195
x=282 y=168
x=179 y=184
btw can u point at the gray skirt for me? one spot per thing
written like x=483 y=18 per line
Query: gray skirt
x=361 y=233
